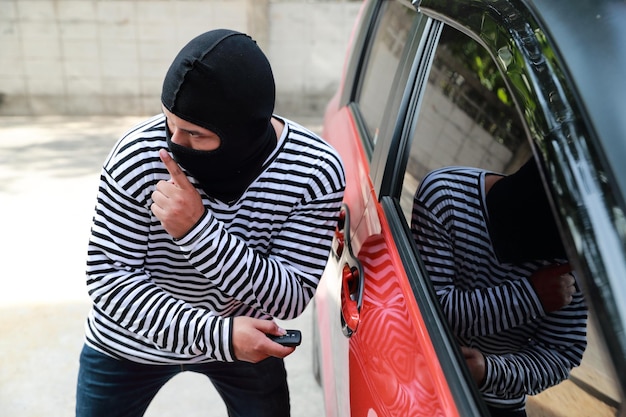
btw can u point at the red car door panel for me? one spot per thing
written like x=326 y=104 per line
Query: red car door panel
x=394 y=369
x=386 y=364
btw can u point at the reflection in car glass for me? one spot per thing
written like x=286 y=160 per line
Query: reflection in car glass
x=467 y=118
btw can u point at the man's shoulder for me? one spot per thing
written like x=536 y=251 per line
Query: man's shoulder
x=303 y=142
x=147 y=136
x=134 y=159
x=148 y=130
x=452 y=175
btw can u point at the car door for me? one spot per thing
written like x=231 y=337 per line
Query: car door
x=463 y=84
x=381 y=357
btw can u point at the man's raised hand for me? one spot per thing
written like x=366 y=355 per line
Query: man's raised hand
x=176 y=203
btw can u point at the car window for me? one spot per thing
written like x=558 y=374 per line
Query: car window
x=467 y=117
x=385 y=51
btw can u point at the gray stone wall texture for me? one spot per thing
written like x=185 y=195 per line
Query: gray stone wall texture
x=108 y=57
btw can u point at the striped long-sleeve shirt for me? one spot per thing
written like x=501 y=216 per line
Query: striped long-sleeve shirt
x=157 y=300
x=491 y=306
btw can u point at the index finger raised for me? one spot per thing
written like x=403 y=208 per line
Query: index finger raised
x=178 y=176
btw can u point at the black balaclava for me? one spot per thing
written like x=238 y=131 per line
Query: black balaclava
x=521 y=224
x=222 y=81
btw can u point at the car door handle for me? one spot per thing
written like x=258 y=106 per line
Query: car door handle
x=351 y=276
x=351 y=297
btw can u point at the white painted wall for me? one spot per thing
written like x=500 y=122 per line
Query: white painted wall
x=108 y=57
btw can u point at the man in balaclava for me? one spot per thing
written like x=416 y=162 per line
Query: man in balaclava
x=494 y=254
x=212 y=220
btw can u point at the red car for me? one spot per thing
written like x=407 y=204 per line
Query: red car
x=483 y=84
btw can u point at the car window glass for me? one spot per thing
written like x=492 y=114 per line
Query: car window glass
x=467 y=118
x=386 y=48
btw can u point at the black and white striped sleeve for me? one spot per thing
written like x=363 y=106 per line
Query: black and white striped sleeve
x=123 y=292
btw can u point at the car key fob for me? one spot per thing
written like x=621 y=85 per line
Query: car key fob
x=292 y=338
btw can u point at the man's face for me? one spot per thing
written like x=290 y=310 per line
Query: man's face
x=190 y=135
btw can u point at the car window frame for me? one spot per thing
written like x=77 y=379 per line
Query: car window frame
x=361 y=47
x=357 y=67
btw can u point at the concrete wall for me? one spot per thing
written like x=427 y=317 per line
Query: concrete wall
x=108 y=57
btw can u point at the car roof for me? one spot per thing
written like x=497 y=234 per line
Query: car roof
x=591 y=41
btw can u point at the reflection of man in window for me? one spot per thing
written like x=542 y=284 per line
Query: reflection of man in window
x=494 y=255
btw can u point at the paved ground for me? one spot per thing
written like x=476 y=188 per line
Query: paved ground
x=48 y=177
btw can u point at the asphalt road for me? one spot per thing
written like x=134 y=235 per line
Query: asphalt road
x=49 y=169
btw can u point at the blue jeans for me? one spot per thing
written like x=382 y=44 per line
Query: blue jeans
x=115 y=388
